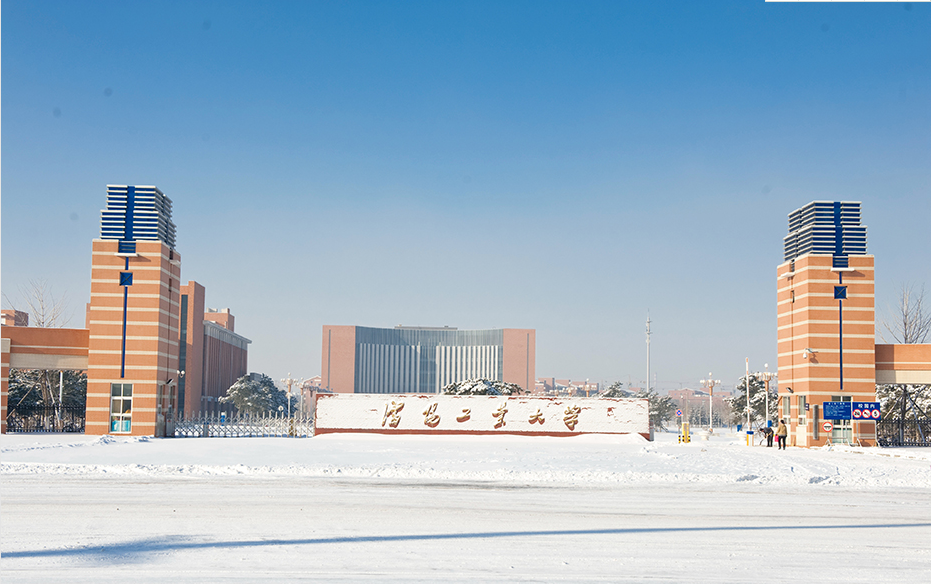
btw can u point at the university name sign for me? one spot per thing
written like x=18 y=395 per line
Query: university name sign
x=479 y=414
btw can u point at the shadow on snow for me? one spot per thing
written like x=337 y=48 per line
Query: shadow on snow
x=122 y=550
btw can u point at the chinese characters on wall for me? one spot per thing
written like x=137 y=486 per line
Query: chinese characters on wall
x=423 y=413
x=431 y=419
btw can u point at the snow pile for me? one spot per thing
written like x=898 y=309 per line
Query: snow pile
x=592 y=460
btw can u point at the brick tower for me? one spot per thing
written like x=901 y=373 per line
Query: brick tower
x=825 y=307
x=132 y=369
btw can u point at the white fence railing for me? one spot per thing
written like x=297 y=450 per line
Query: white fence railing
x=216 y=425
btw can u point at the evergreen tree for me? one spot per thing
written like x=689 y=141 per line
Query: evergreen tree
x=616 y=389
x=255 y=394
x=661 y=406
x=892 y=396
x=32 y=388
x=738 y=403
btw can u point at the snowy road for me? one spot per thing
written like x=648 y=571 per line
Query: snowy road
x=348 y=509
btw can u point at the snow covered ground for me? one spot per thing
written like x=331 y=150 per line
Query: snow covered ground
x=348 y=508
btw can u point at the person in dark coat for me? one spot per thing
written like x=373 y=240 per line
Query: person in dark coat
x=768 y=434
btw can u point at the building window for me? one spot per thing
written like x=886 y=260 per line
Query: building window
x=786 y=407
x=793 y=296
x=121 y=402
x=843 y=430
x=802 y=412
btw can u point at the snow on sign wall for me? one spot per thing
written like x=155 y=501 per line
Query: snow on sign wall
x=479 y=414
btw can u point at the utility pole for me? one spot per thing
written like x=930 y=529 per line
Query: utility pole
x=648 y=350
x=749 y=430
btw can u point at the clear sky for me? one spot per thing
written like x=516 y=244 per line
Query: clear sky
x=562 y=166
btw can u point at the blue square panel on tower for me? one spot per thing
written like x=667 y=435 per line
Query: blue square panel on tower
x=126 y=278
x=840 y=292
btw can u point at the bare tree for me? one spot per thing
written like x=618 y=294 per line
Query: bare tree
x=45 y=311
x=911 y=321
x=44 y=308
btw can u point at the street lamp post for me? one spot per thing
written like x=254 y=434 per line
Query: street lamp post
x=766 y=377
x=710 y=383
x=289 y=381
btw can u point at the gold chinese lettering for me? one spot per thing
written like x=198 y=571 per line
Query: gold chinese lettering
x=537 y=418
x=499 y=415
x=430 y=417
x=392 y=414
x=466 y=414
x=572 y=416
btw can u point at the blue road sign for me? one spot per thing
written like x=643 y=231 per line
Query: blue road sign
x=837 y=410
x=678 y=413
x=866 y=411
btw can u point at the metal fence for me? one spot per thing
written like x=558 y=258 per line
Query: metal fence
x=898 y=432
x=244 y=425
x=46 y=419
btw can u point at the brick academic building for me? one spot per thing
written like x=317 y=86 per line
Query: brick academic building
x=150 y=349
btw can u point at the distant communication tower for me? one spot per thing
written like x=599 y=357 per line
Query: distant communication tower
x=648 y=350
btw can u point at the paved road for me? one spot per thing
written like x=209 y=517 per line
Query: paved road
x=102 y=528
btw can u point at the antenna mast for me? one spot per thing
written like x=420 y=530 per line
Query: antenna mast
x=648 y=350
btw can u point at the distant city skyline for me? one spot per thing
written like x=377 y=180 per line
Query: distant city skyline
x=564 y=167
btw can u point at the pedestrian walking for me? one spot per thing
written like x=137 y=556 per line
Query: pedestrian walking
x=781 y=433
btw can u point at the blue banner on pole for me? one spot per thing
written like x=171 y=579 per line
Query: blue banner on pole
x=837 y=410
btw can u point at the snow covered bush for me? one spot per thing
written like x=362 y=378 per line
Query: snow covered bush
x=891 y=396
x=616 y=389
x=32 y=388
x=482 y=387
x=255 y=394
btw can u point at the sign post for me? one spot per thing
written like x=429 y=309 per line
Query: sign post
x=865 y=412
x=836 y=411
x=683 y=428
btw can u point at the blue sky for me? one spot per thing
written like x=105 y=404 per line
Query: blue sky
x=563 y=166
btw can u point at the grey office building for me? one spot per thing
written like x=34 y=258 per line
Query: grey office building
x=359 y=359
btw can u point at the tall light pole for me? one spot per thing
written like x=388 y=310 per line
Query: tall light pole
x=289 y=382
x=303 y=388
x=648 y=350
x=749 y=430
x=710 y=383
x=766 y=377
